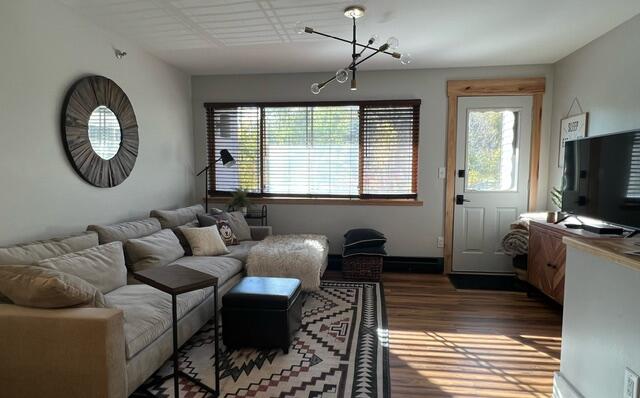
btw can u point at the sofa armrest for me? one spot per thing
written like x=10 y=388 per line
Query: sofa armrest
x=73 y=352
x=259 y=232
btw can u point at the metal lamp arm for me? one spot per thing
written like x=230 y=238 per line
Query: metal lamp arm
x=364 y=46
x=367 y=57
x=208 y=167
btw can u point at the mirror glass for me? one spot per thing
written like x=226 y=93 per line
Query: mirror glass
x=105 y=134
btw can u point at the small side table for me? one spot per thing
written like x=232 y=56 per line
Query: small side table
x=176 y=280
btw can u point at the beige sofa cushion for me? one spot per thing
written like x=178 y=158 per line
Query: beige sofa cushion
x=177 y=217
x=205 y=241
x=241 y=250
x=224 y=268
x=33 y=286
x=147 y=312
x=32 y=252
x=102 y=266
x=126 y=230
x=154 y=250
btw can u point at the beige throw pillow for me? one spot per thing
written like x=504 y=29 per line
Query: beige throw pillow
x=33 y=286
x=205 y=241
x=102 y=266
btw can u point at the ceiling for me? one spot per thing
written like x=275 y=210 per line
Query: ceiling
x=257 y=36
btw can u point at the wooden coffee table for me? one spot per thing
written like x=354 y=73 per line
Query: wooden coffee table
x=176 y=280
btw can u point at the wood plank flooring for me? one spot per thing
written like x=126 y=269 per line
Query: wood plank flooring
x=448 y=343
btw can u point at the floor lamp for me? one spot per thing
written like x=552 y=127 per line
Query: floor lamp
x=227 y=161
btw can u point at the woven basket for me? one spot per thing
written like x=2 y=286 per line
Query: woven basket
x=362 y=268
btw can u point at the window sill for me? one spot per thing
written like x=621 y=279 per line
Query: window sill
x=325 y=201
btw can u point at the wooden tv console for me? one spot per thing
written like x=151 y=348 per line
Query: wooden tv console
x=547 y=256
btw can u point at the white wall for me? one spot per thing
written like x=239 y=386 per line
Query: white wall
x=600 y=325
x=412 y=231
x=605 y=76
x=44 y=48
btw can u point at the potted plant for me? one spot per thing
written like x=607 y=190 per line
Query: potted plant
x=240 y=200
x=556 y=199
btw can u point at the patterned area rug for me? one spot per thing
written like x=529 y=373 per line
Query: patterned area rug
x=341 y=350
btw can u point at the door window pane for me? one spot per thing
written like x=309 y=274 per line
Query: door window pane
x=492 y=151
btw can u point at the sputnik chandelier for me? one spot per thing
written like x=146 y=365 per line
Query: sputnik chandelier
x=357 y=58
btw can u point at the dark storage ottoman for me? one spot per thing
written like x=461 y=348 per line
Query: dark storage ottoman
x=262 y=312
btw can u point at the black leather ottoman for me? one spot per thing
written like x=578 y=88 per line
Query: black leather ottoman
x=262 y=312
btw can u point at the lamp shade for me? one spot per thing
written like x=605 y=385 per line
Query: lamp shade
x=226 y=158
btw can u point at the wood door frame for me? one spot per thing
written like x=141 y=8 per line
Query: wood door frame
x=534 y=87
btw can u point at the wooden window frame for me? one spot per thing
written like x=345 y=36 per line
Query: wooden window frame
x=534 y=87
x=401 y=200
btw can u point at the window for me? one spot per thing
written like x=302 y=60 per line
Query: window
x=492 y=156
x=319 y=150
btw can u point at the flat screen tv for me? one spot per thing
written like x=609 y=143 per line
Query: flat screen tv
x=602 y=178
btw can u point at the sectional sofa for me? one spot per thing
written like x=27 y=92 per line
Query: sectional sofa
x=111 y=351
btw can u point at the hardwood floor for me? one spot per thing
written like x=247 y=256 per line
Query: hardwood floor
x=448 y=343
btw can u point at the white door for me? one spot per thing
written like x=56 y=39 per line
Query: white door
x=492 y=179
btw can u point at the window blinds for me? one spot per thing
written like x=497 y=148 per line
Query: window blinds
x=389 y=150
x=237 y=129
x=311 y=151
x=633 y=182
x=359 y=150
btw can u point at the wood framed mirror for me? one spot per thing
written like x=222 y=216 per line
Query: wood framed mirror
x=100 y=131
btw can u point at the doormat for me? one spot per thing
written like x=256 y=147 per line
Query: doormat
x=487 y=282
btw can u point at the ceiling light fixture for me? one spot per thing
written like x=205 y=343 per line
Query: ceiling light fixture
x=342 y=75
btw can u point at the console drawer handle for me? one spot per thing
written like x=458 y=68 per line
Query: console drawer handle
x=552 y=266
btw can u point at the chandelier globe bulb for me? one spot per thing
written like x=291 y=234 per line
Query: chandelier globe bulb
x=393 y=42
x=342 y=76
x=406 y=59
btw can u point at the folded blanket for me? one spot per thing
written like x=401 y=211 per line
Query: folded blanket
x=516 y=242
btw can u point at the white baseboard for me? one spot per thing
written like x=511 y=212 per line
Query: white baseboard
x=563 y=389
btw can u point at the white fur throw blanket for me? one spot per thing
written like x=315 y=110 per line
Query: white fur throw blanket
x=292 y=256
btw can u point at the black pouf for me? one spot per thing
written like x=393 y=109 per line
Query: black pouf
x=262 y=312
x=362 y=254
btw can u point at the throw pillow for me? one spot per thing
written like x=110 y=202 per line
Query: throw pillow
x=226 y=233
x=102 y=266
x=236 y=220
x=33 y=286
x=159 y=249
x=208 y=220
x=205 y=241
x=183 y=241
x=364 y=251
x=364 y=237
x=239 y=225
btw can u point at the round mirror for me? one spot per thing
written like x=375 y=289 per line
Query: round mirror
x=100 y=131
x=105 y=134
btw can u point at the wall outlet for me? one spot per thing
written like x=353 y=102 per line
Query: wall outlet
x=441 y=243
x=442 y=173
x=630 y=384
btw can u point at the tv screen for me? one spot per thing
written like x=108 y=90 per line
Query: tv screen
x=602 y=178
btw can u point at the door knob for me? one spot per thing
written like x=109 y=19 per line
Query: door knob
x=460 y=200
